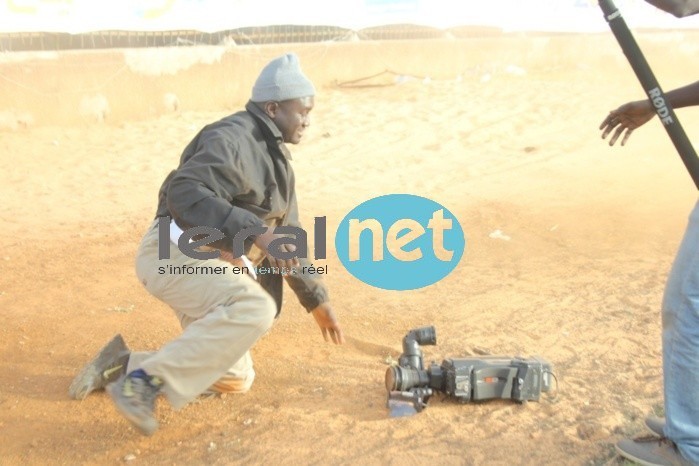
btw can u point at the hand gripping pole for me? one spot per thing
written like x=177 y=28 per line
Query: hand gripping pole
x=650 y=85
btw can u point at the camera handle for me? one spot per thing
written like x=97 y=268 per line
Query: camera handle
x=409 y=402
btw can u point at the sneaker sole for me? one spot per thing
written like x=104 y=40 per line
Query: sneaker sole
x=632 y=457
x=146 y=426
x=626 y=448
x=90 y=378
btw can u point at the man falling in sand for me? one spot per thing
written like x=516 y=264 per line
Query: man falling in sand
x=234 y=175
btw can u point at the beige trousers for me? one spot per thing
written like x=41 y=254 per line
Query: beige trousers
x=222 y=316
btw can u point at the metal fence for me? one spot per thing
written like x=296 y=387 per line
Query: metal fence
x=278 y=34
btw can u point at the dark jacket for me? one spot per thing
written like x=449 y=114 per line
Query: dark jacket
x=236 y=174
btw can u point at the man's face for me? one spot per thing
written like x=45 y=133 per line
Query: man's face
x=291 y=117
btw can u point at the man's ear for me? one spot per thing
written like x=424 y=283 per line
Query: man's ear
x=271 y=108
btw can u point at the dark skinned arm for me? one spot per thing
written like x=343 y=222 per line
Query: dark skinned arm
x=628 y=117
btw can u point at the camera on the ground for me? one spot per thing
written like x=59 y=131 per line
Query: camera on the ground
x=466 y=379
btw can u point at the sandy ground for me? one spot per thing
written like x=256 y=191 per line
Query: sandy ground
x=593 y=232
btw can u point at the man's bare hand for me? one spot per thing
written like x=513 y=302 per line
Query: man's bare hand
x=627 y=118
x=263 y=242
x=326 y=320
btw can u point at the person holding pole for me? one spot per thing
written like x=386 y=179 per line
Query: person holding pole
x=677 y=441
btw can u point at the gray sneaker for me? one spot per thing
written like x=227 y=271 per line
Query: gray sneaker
x=134 y=395
x=109 y=364
x=656 y=425
x=651 y=451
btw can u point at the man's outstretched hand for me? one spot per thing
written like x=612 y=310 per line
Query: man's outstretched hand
x=325 y=317
x=627 y=118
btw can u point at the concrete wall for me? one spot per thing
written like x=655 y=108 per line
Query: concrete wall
x=111 y=86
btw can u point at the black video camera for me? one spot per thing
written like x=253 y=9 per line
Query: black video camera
x=466 y=379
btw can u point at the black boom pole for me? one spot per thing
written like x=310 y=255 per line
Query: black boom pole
x=650 y=85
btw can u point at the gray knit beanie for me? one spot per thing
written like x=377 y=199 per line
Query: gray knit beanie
x=282 y=79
